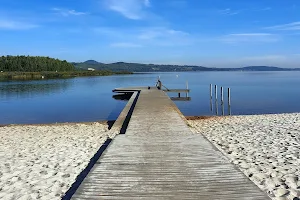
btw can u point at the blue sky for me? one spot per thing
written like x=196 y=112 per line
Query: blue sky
x=214 y=33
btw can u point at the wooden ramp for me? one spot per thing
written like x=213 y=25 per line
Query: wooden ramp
x=160 y=158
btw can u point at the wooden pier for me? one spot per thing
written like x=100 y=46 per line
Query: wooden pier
x=160 y=158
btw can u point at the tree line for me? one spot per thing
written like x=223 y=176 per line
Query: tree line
x=33 y=64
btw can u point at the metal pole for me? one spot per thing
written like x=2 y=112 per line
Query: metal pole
x=222 y=100
x=210 y=91
x=229 y=102
x=210 y=99
x=216 y=92
x=216 y=98
x=187 y=87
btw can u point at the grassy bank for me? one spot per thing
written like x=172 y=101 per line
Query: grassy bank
x=6 y=76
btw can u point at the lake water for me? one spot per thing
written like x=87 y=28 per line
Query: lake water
x=87 y=99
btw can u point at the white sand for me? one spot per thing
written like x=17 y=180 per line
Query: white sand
x=42 y=162
x=265 y=147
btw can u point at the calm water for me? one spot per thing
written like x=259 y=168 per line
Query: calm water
x=90 y=98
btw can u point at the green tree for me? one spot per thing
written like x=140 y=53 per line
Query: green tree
x=33 y=64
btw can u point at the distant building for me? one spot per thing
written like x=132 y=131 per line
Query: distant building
x=91 y=69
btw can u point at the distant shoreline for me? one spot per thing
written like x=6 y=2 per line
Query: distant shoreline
x=17 y=76
x=140 y=67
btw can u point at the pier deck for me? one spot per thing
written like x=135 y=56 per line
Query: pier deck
x=160 y=158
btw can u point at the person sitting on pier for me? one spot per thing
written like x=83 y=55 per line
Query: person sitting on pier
x=158 y=84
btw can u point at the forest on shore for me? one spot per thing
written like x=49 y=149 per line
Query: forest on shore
x=37 y=67
x=33 y=64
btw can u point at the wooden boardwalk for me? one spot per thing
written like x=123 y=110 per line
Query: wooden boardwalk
x=160 y=158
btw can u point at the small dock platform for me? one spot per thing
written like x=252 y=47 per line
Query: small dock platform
x=160 y=158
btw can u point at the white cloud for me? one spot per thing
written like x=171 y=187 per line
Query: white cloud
x=125 y=45
x=131 y=9
x=251 y=34
x=16 y=25
x=66 y=12
x=286 y=27
x=161 y=36
x=228 y=11
x=150 y=36
x=249 y=37
x=156 y=33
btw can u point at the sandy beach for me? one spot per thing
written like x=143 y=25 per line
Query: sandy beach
x=265 y=147
x=42 y=162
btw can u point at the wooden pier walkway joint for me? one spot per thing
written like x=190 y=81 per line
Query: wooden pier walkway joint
x=160 y=158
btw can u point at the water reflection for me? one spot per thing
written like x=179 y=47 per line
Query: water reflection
x=33 y=88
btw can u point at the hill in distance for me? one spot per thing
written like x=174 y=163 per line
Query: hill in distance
x=138 y=67
x=91 y=62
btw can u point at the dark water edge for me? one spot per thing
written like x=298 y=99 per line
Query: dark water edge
x=90 y=99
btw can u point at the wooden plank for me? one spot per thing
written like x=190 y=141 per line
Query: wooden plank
x=160 y=158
